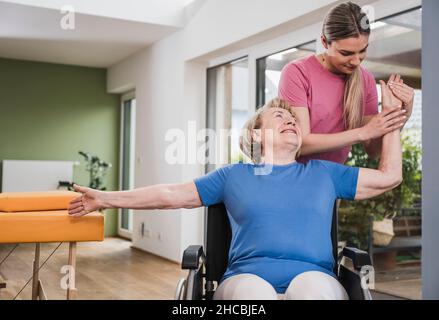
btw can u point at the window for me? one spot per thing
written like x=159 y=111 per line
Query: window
x=269 y=70
x=127 y=160
x=395 y=47
x=227 y=111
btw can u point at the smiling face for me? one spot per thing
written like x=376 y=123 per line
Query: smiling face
x=345 y=55
x=271 y=133
x=279 y=130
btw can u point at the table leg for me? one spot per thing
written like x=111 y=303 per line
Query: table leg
x=71 y=289
x=36 y=265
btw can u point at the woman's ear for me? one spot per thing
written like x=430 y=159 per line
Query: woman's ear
x=324 y=41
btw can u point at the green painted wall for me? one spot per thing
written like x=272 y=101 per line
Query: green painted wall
x=51 y=111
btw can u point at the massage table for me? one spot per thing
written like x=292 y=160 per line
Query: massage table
x=41 y=217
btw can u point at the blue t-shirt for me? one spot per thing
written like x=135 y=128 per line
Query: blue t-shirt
x=281 y=221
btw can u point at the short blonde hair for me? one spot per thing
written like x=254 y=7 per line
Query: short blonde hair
x=247 y=144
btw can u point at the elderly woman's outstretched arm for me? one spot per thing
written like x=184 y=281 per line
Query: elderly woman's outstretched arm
x=161 y=196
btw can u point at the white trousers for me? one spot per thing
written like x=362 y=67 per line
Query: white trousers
x=311 y=285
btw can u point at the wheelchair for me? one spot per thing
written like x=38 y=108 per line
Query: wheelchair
x=206 y=268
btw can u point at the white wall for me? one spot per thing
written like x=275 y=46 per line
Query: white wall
x=160 y=77
x=169 y=78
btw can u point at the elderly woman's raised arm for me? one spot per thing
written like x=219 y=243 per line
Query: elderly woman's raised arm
x=372 y=182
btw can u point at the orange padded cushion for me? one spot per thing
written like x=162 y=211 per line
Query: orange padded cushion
x=36 y=201
x=50 y=226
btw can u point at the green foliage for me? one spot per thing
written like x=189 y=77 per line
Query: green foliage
x=355 y=216
x=97 y=168
x=353 y=227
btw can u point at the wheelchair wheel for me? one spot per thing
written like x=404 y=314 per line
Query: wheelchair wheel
x=180 y=291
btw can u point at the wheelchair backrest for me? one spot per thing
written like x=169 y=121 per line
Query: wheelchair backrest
x=218 y=238
x=219 y=235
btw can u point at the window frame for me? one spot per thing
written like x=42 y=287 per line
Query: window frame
x=127 y=233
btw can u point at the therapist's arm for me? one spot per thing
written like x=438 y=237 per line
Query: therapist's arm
x=161 y=196
x=377 y=126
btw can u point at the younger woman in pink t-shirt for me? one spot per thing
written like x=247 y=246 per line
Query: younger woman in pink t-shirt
x=334 y=98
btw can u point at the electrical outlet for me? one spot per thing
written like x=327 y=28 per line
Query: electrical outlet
x=144 y=232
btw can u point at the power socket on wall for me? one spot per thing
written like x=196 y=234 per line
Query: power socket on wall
x=144 y=232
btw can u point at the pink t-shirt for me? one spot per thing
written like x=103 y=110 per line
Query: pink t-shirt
x=306 y=83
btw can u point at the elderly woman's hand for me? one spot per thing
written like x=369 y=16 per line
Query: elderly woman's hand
x=403 y=92
x=391 y=117
x=89 y=201
x=388 y=99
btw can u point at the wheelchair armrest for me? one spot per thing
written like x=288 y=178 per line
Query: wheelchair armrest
x=359 y=257
x=192 y=256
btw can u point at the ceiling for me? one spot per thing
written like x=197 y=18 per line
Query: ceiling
x=31 y=32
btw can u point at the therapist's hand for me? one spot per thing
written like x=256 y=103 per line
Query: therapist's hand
x=89 y=201
x=382 y=123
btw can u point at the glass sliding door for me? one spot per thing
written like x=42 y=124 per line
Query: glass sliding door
x=396 y=47
x=269 y=69
x=227 y=111
x=128 y=111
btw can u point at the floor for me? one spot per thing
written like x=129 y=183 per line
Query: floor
x=108 y=270
x=113 y=270
x=404 y=282
x=405 y=289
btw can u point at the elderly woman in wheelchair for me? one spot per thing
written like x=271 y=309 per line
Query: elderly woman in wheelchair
x=280 y=210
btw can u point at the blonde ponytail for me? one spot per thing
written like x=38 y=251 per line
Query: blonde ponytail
x=353 y=100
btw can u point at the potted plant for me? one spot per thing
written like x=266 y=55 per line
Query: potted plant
x=97 y=168
x=355 y=216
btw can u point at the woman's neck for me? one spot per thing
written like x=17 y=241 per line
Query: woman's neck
x=279 y=159
x=323 y=59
